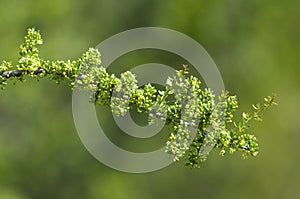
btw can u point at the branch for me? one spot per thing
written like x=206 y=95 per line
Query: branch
x=192 y=106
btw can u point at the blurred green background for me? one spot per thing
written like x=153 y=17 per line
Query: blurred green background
x=256 y=47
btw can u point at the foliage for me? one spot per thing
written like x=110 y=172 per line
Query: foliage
x=182 y=104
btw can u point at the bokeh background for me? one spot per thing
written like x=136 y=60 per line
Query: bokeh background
x=255 y=45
